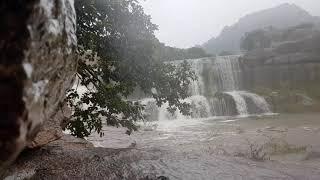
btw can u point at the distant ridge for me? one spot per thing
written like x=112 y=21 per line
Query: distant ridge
x=282 y=16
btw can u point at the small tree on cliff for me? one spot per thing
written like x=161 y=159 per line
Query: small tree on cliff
x=116 y=47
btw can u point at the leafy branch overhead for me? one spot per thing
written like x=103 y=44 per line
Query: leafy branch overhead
x=116 y=55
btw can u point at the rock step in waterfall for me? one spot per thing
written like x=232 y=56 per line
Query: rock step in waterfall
x=241 y=104
x=216 y=92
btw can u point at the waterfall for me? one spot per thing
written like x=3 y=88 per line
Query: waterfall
x=164 y=114
x=221 y=107
x=218 y=91
x=259 y=101
x=228 y=71
x=197 y=87
x=200 y=107
x=240 y=102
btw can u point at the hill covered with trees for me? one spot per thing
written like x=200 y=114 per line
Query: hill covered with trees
x=280 y=17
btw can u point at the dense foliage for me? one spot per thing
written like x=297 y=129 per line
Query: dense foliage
x=116 y=55
x=167 y=53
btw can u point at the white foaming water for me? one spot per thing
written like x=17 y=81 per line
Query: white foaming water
x=164 y=114
x=228 y=71
x=219 y=107
x=220 y=74
x=197 y=87
x=259 y=101
x=240 y=102
x=200 y=108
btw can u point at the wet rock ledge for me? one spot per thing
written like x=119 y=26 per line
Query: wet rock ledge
x=72 y=158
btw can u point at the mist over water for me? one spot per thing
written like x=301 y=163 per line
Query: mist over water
x=218 y=91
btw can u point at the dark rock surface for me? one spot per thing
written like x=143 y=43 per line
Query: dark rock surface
x=53 y=41
x=289 y=63
x=72 y=158
x=37 y=43
x=283 y=75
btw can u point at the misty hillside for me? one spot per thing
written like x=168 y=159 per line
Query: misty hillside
x=282 y=16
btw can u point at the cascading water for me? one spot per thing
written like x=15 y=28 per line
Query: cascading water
x=228 y=71
x=200 y=107
x=240 y=102
x=164 y=114
x=230 y=80
x=197 y=87
x=216 y=92
x=259 y=101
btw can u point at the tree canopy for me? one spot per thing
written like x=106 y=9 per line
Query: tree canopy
x=116 y=54
x=167 y=53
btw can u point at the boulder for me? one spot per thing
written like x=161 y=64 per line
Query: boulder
x=37 y=64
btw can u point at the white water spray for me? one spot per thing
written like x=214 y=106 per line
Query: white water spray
x=240 y=102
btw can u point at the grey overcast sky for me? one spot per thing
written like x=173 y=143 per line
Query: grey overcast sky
x=185 y=23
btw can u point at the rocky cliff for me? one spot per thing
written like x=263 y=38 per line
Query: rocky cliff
x=288 y=69
x=293 y=59
x=37 y=64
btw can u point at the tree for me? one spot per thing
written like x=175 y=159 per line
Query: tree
x=226 y=53
x=116 y=55
x=196 y=52
x=167 y=53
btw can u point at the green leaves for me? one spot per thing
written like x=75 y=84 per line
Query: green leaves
x=116 y=55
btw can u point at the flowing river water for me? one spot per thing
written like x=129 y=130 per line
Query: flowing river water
x=223 y=148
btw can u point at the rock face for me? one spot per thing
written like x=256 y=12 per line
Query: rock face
x=288 y=72
x=37 y=43
x=293 y=61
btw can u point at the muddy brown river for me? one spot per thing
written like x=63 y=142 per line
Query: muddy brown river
x=273 y=146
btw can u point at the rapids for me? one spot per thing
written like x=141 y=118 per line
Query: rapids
x=218 y=91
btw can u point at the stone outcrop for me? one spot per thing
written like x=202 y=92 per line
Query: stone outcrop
x=287 y=74
x=292 y=62
x=72 y=158
x=37 y=64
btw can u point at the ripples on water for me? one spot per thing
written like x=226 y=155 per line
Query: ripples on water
x=205 y=148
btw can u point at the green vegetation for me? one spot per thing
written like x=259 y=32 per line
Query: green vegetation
x=166 y=53
x=117 y=53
